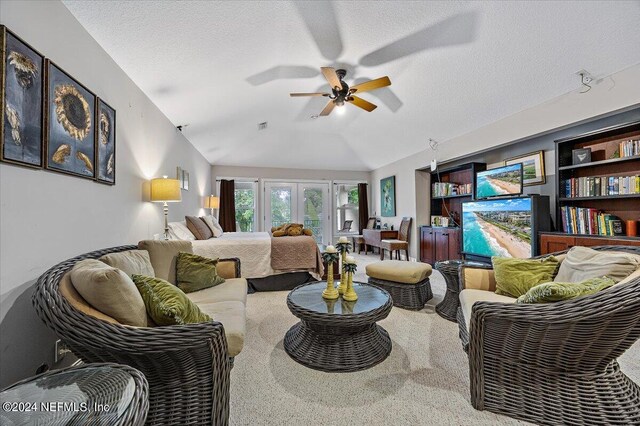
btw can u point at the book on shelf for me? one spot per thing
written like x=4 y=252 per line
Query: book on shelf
x=629 y=148
x=446 y=189
x=588 y=221
x=598 y=186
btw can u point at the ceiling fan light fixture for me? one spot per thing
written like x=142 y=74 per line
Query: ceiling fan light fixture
x=341 y=110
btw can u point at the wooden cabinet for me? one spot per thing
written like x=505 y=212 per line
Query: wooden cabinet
x=438 y=244
x=553 y=242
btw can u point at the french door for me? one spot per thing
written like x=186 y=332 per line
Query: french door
x=299 y=202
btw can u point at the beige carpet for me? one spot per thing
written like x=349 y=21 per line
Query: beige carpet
x=423 y=382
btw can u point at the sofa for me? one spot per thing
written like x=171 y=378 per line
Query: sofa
x=551 y=363
x=187 y=366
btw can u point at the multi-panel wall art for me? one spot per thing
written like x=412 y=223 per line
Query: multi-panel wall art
x=50 y=119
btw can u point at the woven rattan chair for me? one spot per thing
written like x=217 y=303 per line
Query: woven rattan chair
x=401 y=244
x=187 y=366
x=555 y=363
x=358 y=240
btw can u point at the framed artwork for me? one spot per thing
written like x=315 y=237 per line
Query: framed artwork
x=70 y=137
x=532 y=167
x=388 y=196
x=21 y=92
x=106 y=144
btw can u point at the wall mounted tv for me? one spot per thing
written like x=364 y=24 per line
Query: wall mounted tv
x=504 y=227
x=499 y=182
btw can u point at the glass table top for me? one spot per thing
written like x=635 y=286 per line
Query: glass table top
x=310 y=297
x=86 y=395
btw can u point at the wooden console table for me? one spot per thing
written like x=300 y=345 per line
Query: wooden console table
x=372 y=237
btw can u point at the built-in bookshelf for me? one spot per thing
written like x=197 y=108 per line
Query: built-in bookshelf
x=450 y=187
x=597 y=197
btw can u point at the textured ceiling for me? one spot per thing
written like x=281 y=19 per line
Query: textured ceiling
x=223 y=67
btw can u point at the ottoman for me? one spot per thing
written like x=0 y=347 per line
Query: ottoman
x=407 y=282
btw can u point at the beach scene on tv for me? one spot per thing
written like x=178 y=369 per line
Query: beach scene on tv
x=497 y=227
x=501 y=181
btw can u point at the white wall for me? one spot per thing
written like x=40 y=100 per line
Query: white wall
x=47 y=217
x=616 y=92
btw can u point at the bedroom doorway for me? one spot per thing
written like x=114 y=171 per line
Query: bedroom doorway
x=299 y=202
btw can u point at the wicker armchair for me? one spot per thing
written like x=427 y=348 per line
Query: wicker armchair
x=555 y=363
x=187 y=366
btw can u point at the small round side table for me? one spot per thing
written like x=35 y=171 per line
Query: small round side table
x=448 y=308
x=97 y=394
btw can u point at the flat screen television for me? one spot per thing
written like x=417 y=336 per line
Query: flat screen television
x=505 y=227
x=499 y=182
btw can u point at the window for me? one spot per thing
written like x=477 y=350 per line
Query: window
x=346 y=208
x=245 y=195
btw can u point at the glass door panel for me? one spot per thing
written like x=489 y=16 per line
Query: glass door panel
x=313 y=202
x=280 y=204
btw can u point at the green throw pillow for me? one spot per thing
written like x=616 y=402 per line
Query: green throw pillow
x=166 y=304
x=554 y=292
x=514 y=277
x=195 y=272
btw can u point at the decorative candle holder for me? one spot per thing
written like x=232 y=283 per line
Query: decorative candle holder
x=350 y=267
x=343 y=247
x=330 y=255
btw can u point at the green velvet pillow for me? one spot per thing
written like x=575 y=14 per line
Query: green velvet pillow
x=195 y=272
x=514 y=277
x=166 y=304
x=554 y=292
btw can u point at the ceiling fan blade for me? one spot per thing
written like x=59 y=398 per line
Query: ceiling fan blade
x=359 y=102
x=327 y=109
x=455 y=30
x=308 y=94
x=386 y=95
x=331 y=76
x=371 y=85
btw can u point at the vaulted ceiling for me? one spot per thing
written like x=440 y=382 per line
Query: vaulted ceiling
x=223 y=67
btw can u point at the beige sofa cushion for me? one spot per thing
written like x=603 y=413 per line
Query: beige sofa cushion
x=232 y=316
x=75 y=299
x=470 y=296
x=479 y=279
x=399 y=271
x=110 y=291
x=130 y=262
x=232 y=290
x=583 y=263
x=633 y=276
x=163 y=255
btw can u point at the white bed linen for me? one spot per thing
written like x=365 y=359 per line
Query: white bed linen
x=252 y=248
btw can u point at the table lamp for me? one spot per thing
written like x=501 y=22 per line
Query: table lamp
x=212 y=202
x=165 y=191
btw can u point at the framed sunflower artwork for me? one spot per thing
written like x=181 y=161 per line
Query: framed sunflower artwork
x=70 y=137
x=106 y=144
x=22 y=72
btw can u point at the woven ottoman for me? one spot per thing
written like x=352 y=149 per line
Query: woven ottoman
x=407 y=282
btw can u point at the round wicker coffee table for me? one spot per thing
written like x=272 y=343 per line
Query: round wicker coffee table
x=336 y=335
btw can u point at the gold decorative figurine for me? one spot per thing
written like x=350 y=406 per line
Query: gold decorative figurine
x=350 y=267
x=343 y=247
x=330 y=255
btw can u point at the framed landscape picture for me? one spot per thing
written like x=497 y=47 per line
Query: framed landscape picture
x=388 y=196
x=70 y=137
x=532 y=167
x=21 y=93
x=106 y=144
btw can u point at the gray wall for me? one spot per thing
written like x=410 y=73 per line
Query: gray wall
x=47 y=217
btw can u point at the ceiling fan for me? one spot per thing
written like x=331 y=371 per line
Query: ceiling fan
x=341 y=92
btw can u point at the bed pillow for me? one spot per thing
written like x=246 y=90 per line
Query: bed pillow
x=166 y=303
x=514 y=277
x=213 y=224
x=179 y=231
x=130 y=262
x=195 y=272
x=582 y=263
x=556 y=291
x=198 y=228
x=110 y=291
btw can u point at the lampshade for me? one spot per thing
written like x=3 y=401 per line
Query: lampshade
x=212 y=202
x=163 y=189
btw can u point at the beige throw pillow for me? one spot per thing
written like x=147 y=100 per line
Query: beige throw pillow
x=179 y=231
x=130 y=262
x=583 y=263
x=163 y=255
x=213 y=224
x=198 y=228
x=109 y=290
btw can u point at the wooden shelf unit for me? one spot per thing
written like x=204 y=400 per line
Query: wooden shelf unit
x=603 y=144
x=451 y=205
